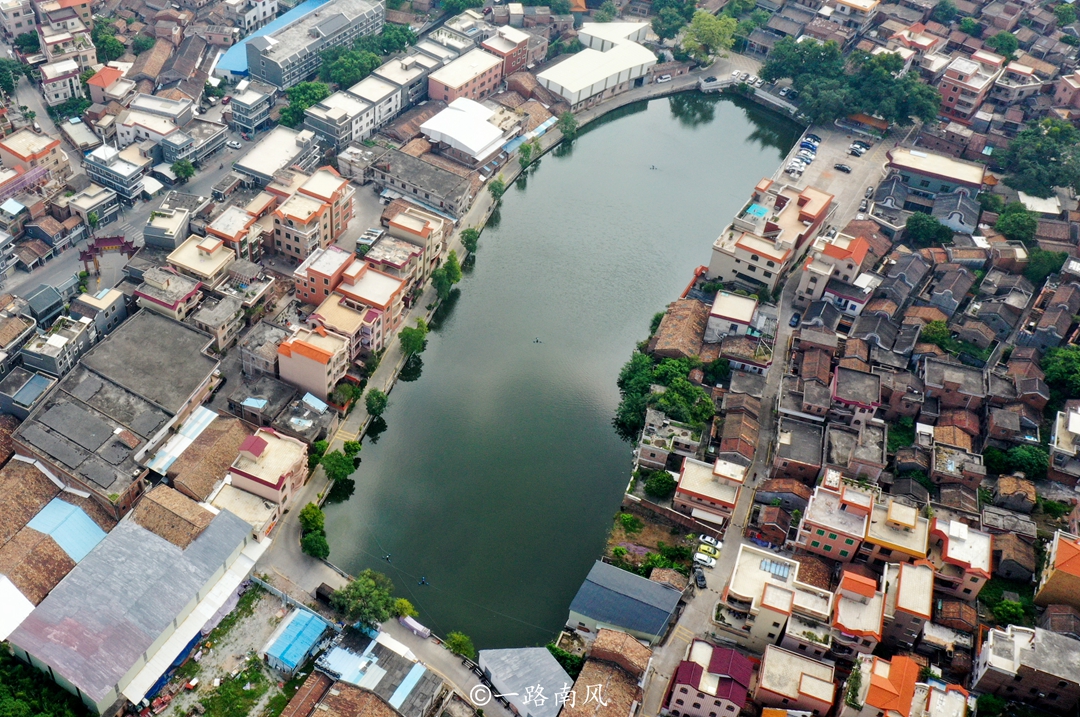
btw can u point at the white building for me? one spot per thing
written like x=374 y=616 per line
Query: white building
x=463 y=127
x=60 y=82
x=612 y=63
x=730 y=315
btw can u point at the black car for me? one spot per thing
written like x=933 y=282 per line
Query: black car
x=842 y=168
x=699 y=578
x=795 y=319
x=864 y=145
x=710 y=79
x=863 y=206
x=814 y=137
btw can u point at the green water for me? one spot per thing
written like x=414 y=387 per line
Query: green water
x=499 y=471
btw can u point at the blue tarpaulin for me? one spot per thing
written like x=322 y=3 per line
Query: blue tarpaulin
x=296 y=641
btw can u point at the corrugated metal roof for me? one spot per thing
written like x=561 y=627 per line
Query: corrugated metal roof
x=70 y=527
x=617 y=597
x=295 y=642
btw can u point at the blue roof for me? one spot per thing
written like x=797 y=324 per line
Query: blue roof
x=620 y=598
x=758 y=211
x=31 y=390
x=252 y=402
x=314 y=403
x=69 y=526
x=12 y=207
x=235 y=58
x=299 y=636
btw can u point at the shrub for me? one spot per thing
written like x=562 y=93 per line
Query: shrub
x=660 y=485
x=460 y=644
x=630 y=523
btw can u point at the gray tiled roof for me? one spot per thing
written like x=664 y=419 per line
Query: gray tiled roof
x=515 y=670
x=617 y=597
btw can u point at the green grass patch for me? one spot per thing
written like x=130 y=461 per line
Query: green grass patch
x=237 y=696
x=188 y=670
x=244 y=608
x=993 y=593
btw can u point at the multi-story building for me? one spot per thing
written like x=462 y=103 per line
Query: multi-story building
x=840 y=257
x=168 y=293
x=961 y=556
x=107 y=308
x=512 y=45
x=967 y=83
x=58 y=349
x=221 y=318
x=67 y=41
x=612 y=62
x=892 y=687
x=238 y=229
x=790 y=681
x=365 y=287
x=858 y=616
x=60 y=82
x=16 y=18
x=109 y=85
x=206 y=259
x=251 y=108
x=292 y=54
x=896 y=533
x=799 y=450
x=931 y=174
x=340 y=119
x=909 y=599
x=857 y=14
x=1059 y=583
x=196 y=142
x=314 y=360
x=250 y=15
x=320 y=273
x=710 y=681
x=258 y=350
x=335 y=314
x=107 y=168
x=1030 y=665
x=475 y=75
x=96 y=200
x=384 y=99
x=769 y=233
x=1065 y=444
x=398 y=258
x=410 y=73
x=835 y=521
x=709 y=491
x=425 y=230
x=270 y=465
x=167 y=228
x=1016 y=83
x=30 y=150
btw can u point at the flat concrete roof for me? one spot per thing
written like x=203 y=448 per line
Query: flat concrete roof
x=937 y=165
x=472 y=64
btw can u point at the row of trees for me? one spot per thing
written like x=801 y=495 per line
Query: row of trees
x=345 y=66
x=832 y=86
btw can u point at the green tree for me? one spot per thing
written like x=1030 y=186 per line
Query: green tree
x=376 y=402
x=1062 y=368
x=1066 y=14
x=567 y=125
x=708 y=35
x=825 y=99
x=660 y=485
x=1005 y=43
x=880 y=87
x=404 y=608
x=337 y=465
x=183 y=169
x=369 y=599
x=315 y=545
x=1009 y=612
x=924 y=230
x=996 y=461
x=453 y=267
x=1042 y=264
x=667 y=23
x=935 y=332
x=93 y=220
x=10 y=72
x=85 y=76
x=351 y=448
x=991 y=202
x=395 y=38
x=414 y=338
x=944 y=12
x=497 y=187
x=607 y=12
x=302 y=96
x=990 y=705
x=27 y=692
x=460 y=644
x=559 y=7
x=803 y=61
x=1017 y=223
x=1032 y=460
x=525 y=155
x=469 y=239
x=971 y=26
x=109 y=48
x=1043 y=155
x=456 y=7
x=28 y=43
x=142 y=43
x=346 y=68
x=312 y=519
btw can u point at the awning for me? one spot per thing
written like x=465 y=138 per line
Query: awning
x=706 y=516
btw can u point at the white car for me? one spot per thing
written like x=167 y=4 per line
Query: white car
x=704 y=560
x=708 y=540
x=735 y=73
x=663 y=78
x=233 y=144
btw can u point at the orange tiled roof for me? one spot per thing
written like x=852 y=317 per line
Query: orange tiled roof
x=1068 y=556
x=105 y=77
x=303 y=348
x=858 y=584
x=856 y=250
x=895 y=689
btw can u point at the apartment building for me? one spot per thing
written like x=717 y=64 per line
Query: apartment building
x=764 y=239
x=709 y=491
x=105 y=166
x=423 y=229
x=238 y=229
x=250 y=15
x=909 y=590
x=290 y=55
x=1059 y=583
x=364 y=286
x=475 y=75
x=1031 y=665
x=840 y=257
x=67 y=41
x=340 y=119
x=790 y=681
x=16 y=18
x=251 y=108
x=30 y=150
x=512 y=45
x=893 y=687
x=168 y=293
x=313 y=360
x=710 y=681
x=384 y=99
x=270 y=465
x=966 y=84
x=60 y=82
x=835 y=521
x=410 y=73
x=961 y=556
x=57 y=350
x=319 y=275
x=398 y=258
x=896 y=533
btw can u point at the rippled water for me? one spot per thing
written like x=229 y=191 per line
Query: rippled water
x=499 y=471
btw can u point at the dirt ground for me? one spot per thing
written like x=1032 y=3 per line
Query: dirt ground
x=219 y=660
x=646 y=540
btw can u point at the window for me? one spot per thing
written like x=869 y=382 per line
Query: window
x=849 y=541
x=820 y=531
x=815 y=544
x=682 y=690
x=828 y=548
x=843 y=553
x=772 y=635
x=776 y=624
x=967 y=591
x=678 y=702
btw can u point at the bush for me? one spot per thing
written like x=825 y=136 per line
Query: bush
x=312 y=519
x=570 y=662
x=404 y=608
x=990 y=705
x=376 y=402
x=661 y=485
x=460 y=644
x=630 y=523
x=1009 y=612
x=315 y=545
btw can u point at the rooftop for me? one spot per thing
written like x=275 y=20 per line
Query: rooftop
x=937 y=165
x=792 y=676
x=828 y=508
x=274 y=152
x=370 y=286
x=207 y=459
x=800 y=441
x=270 y=465
x=701 y=480
x=514 y=670
x=733 y=307
x=580 y=71
x=910 y=588
x=625 y=600
x=472 y=64
x=963 y=545
x=205 y=257
x=898 y=526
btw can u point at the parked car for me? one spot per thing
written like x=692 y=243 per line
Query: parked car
x=704 y=560
x=226 y=99
x=864 y=205
x=710 y=79
x=809 y=145
x=744 y=77
x=842 y=168
x=864 y=145
x=699 y=579
x=751 y=80
x=869 y=192
x=855 y=153
x=663 y=78
x=784 y=91
x=814 y=137
x=793 y=95
x=759 y=82
x=233 y=144
x=735 y=74
x=708 y=540
x=795 y=319
x=708 y=550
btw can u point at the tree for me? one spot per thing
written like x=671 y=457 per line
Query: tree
x=824 y=99
x=924 y=230
x=708 y=35
x=351 y=448
x=1042 y=264
x=935 y=332
x=1009 y=612
x=607 y=12
x=456 y=7
x=803 y=61
x=346 y=68
x=28 y=43
x=525 y=155
x=497 y=187
x=376 y=402
x=469 y=238
x=667 y=23
x=990 y=705
x=109 y=48
x=315 y=545
x=142 y=43
x=404 y=608
x=996 y=461
x=1043 y=155
x=183 y=169
x=991 y=202
x=1031 y=460
x=301 y=97
x=394 y=38
x=10 y=71
x=660 y=485
x=414 y=339
x=453 y=267
x=443 y=285
x=337 y=465
x=26 y=692
x=567 y=125
x=1066 y=14
x=369 y=599
x=460 y=644
x=944 y=12
x=85 y=76
x=312 y=519
x=1017 y=223
x=1062 y=368
x=1005 y=43
x=93 y=220
x=971 y=26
